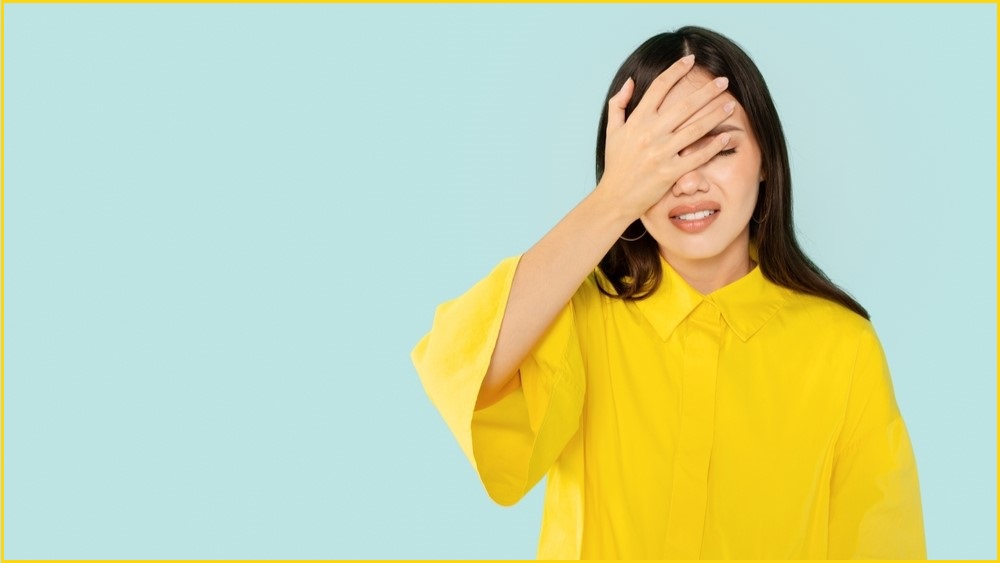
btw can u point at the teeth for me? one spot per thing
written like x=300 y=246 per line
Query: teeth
x=695 y=216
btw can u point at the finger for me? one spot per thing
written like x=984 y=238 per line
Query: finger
x=707 y=152
x=689 y=134
x=618 y=103
x=677 y=114
x=662 y=84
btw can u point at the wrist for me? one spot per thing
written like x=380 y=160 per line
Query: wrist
x=611 y=207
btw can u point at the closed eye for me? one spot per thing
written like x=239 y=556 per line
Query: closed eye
x=726 y=153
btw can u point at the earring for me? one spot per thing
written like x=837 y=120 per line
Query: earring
x=644 y=231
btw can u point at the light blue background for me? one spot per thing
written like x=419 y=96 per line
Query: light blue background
x=227 y=225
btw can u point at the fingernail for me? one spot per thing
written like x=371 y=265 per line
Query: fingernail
x=688 y=60
x=721 y=82
x=729 y=107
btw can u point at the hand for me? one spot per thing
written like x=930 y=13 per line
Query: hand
x=642 y=158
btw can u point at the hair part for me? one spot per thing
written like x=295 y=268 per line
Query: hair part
x=633 y=267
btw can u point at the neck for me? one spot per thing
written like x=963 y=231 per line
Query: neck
x=709 y=274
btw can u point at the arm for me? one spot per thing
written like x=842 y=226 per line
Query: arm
x=545 y=279
x=503 y=362
x=643 y=163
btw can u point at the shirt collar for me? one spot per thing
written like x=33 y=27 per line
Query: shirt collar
x=746 y=304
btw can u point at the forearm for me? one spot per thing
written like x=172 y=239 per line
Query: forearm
x=546 y=278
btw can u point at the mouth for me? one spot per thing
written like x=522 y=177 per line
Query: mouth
x=694 y=219
x=696 y=215
x=692 y=212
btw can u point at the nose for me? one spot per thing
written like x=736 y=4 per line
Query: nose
x=690 y=183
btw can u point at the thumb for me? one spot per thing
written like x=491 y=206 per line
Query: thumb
x=617 y=104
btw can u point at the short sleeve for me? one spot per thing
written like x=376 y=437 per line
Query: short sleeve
x=875 y=506
x=513 y=442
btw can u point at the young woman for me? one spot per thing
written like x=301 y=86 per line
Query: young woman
x=690 y=382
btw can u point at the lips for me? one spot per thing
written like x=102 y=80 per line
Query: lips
x=695 y=218
x=700 y=206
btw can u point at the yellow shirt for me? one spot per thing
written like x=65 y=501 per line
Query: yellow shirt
x=754 y=422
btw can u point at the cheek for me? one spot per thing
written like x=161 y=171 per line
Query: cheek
x=738 y=172
x=660 y=209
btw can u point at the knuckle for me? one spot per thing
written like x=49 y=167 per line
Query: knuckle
x=684 y=138
x=666 y=159
x=684 y=107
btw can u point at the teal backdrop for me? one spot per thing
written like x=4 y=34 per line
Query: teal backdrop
x=227 y=226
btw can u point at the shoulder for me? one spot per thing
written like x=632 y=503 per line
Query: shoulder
x=814 y=309
x=822 y=316
x=842 y=341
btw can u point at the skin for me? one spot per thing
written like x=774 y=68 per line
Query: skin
x=720 y=254
x=646 y=156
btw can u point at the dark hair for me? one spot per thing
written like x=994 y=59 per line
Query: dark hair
x=633 y=268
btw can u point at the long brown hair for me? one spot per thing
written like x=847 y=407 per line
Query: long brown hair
x=633 y=267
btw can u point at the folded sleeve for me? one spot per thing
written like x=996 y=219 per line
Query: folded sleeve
x=875 y=506
x=512 y=443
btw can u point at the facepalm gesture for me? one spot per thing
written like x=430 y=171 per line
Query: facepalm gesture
x=646 y=155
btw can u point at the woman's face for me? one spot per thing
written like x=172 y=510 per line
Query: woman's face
x=727 y=184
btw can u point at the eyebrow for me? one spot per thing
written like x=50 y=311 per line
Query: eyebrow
x=722 y=129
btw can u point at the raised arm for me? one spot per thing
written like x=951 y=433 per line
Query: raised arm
x=642 y=163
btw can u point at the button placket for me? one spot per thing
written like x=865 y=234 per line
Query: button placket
x=689 y=492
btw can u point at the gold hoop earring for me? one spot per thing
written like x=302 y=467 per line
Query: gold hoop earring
x=644 y=231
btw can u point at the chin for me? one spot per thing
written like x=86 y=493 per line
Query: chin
x=698 y=248
x=691 y=253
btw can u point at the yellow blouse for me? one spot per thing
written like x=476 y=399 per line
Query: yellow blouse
x=754 y=422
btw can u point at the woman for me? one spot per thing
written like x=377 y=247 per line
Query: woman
x=692 y=385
